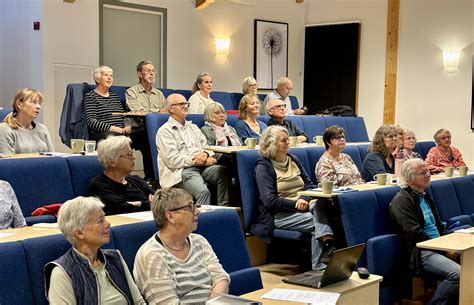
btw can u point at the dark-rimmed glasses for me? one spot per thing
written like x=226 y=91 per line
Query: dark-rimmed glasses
x=191 y=206
x=339 y=137
x=282 y=106
x=129 y=155
x=181 y=105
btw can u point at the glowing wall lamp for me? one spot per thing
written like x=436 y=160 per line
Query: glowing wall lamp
x=451 y=60
x=222 y=46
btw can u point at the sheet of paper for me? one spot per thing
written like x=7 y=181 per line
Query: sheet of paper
x=46 y=225
x=304 y=296
x=3 y=235
x=467 y=231
x=147 y=215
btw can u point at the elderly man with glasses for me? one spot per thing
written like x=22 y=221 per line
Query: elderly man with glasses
x=276 y=109
x=415 y=218
x=182 y=159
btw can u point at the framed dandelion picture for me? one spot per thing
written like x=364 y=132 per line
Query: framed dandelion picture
x=270 y=52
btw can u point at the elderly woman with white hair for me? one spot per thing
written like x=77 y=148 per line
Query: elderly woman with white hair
x=250 y=86
x=217 y=132
x=443 y=154
x=118 y=190
x=409 y=142
x=86 y=274
x=176 y=266
x=99 y=105
x=280 y=176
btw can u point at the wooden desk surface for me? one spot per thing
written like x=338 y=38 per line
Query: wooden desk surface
x=136 y=114
x=358 y=187
x=353 y=284
x=451 y=242
x=228 y=149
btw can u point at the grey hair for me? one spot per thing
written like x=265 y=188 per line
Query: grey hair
x=209 y=111
x=166 y=199
x=283 y=80
x=407 y=172
x=109 y=149
x=74 y=214
x=246 y=83
x=98 y=72
x=270 y=105
x=268 y=141
x=143 y=63
x=440 y=131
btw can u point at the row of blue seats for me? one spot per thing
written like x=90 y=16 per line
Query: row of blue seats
x=48 y=180
x=21 y=270
x=354 y=127
x=309 y=156
x=365 y=219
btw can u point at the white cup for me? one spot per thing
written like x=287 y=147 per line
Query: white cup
x=381 y=179
x=448 y=171
x=463 y=171
x=90 y=147
x=293 y=141
x=318 y=140
x=251 y=143
x=77 y=145
x=326 y=186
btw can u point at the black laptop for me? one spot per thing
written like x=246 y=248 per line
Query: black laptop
x=339 y=268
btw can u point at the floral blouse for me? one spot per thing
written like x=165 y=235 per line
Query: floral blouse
x=343 y=172
x=407 y=157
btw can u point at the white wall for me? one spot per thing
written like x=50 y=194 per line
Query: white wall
x=20 y=48
x=429 y=98
x=373 y=15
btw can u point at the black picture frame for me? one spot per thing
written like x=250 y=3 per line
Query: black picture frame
x=270 y=52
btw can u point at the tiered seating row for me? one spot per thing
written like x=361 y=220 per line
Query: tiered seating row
x=23 y=261
x=354 y=127
x=365 y=220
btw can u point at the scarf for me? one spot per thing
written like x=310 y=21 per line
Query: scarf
x=223 y=134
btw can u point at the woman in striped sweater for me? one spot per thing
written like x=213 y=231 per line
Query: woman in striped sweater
x=99 y=105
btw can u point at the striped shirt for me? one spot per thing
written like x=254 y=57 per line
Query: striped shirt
x=98 y=110
x=165 y=279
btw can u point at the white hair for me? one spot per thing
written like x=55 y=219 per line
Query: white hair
x=209 y=111
x=407 y=172
x=268 y=141
x=74 y=214
x=109 y=149
x=98 y=72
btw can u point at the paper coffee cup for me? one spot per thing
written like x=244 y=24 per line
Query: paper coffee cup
x=448 y=171
x=251 y=143
x=77 y=145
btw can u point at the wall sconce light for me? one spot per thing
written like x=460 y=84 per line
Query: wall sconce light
x=222 y=46
x=451 y=60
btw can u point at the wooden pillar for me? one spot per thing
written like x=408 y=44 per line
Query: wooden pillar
x=391 y=60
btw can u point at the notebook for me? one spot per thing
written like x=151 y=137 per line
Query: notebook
x=339 y=268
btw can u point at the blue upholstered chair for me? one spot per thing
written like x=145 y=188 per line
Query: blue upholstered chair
x=294 y=102
x=313 y=126
x=424 y=147
x=197 y=119
x=463 y=187
x=224 y=98
x=186 y=93
x=153 y=122
x=354 y=153
x=296 y=119
x=356 y=129
x=82 y=170
x=314 y=153
x=16 y=288
x=236 y=97
x=339 y=121
x=223 y=230
x=4 y=112
x=166 y=91
x=232 y=119
x=38 y=182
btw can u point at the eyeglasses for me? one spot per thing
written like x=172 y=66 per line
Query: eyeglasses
x=339 y=137
x=129 y=155
x=282 y=106
x=445 y=138
x=391 y=136
x=192 y=206
x=252 y=85
x=181 y=105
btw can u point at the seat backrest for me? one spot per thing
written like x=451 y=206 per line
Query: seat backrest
x=314 y=153
x=129 y=238
x=82 y=170
x=3 y=113
x=313 y=126
x=302 y=156
x=463 y=187
x=384 y=197
x=246 y=162
x=296 y=119
x=14 y=269
x=354 y=153
x=224 y=98
x=166 y=91
x=294 y=102
x=186 y=93
x=223 y=230
x=232 y=119
x=339 y=121
x=357 y=131
x=445 y=199
x=261 y=96
x=424 y=147
x=37 y=181
x=363 y=150
x=196 y=118
x=263 y=117
x=236 y=97
x=153 y=122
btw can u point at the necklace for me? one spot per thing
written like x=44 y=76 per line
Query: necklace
x=171 y=248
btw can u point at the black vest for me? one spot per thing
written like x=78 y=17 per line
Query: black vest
x=83 y=279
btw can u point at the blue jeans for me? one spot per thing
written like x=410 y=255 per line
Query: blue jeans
x=442 y=266
x=314 y=222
